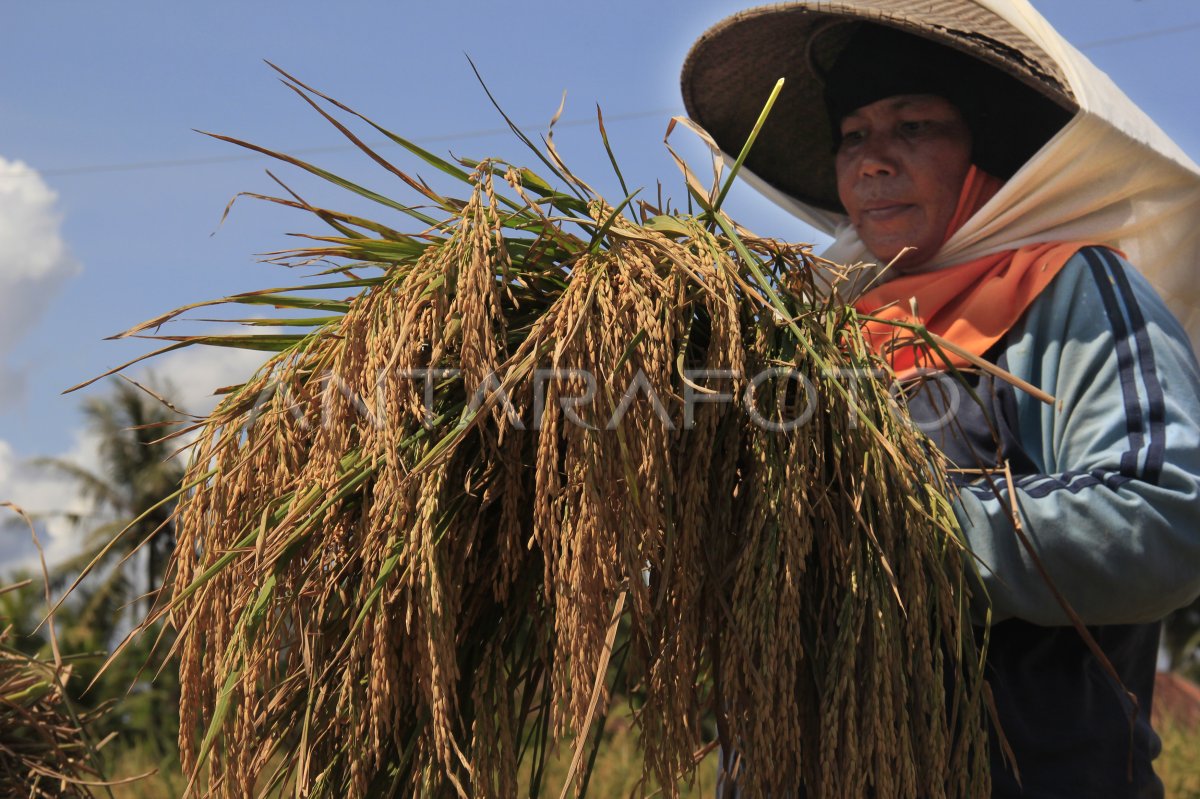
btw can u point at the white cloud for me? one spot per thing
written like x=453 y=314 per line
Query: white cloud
x=195 y=372
x=46 y=495
x=34 y=263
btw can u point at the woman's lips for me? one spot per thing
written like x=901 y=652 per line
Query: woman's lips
x=884 y=213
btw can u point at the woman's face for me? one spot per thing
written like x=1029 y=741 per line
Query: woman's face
x=900 y=170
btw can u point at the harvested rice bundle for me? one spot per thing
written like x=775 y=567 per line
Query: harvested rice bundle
x=407 y=543
x=44 y=751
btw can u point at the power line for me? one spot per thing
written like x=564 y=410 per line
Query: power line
x=1133 y=37
x=226 y=159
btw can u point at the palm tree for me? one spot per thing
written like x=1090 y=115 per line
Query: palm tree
x=132 y=494
x=138 y=470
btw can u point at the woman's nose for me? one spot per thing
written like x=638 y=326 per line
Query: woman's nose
x=875 y=159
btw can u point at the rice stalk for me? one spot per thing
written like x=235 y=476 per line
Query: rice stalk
x=45 y=750
x=406 y=533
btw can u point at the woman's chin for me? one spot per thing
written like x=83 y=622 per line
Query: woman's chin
x=901 y=259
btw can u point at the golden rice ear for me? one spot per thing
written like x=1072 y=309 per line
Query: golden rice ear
x=428 y=545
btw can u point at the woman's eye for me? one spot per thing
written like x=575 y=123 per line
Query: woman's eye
x=852 y=137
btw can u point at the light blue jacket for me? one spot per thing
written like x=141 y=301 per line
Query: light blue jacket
x=1107 y=488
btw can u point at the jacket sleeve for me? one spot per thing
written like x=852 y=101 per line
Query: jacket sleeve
x=1115 y=514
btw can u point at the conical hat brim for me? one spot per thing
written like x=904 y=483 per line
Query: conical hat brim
x=733 y=67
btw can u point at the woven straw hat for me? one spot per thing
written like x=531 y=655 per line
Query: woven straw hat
x=732 y=68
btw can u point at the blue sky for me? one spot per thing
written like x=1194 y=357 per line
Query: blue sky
x=112 y=200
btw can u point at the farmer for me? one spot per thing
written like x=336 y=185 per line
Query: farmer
x=1022 y=215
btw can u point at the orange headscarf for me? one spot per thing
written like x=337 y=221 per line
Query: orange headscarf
x=972 y=304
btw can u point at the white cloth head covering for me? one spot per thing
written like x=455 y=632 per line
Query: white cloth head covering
x=1110 y=175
